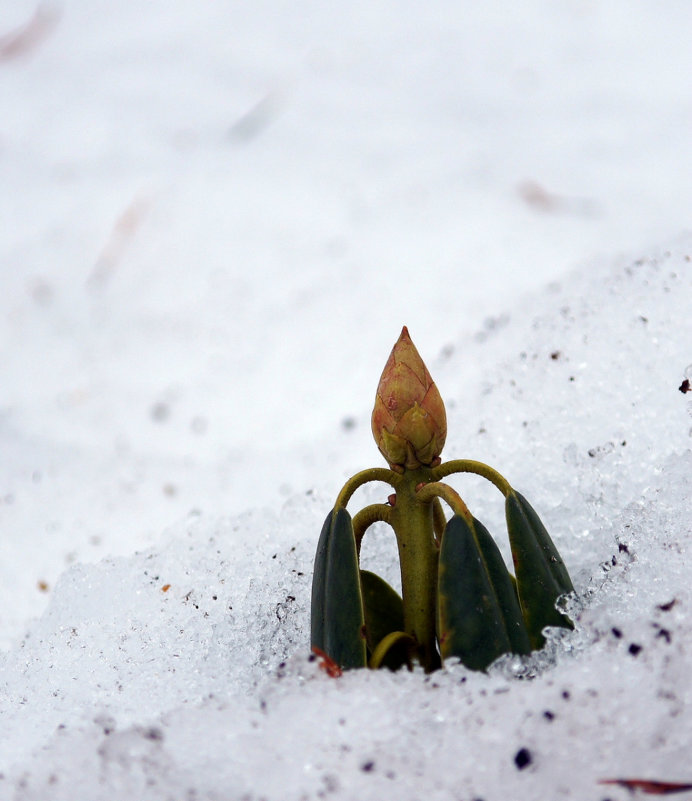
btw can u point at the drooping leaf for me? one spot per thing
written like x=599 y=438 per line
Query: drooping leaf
x=337 y=618
x=505 y=591
x=541 y=574
x=384 y=614
x=384 y=609
x=471 y=620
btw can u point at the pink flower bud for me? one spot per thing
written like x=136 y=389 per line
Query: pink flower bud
x=409 y=421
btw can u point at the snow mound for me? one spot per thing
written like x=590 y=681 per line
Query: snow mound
x=182 y=672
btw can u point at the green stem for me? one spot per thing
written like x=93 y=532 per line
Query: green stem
x=471 y=466
x=373 y=474
x=437 y=489
x=439 y=521
x=376 y=512
x=412 y=520
x=386 y=644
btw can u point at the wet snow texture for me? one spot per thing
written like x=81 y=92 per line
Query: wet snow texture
x=182 y=671
x=215 y=220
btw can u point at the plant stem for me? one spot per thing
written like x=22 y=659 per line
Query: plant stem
x=471 y=466
x=437 y=489
x=372 y=474
x=412 y=520
x=374 y=513
x=439 y=521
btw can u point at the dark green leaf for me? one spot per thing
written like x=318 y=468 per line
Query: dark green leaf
x=384 y=613
x=470 y=616
x=541 y=574
x=505 y=590
x=337 y=625
x=384 y=609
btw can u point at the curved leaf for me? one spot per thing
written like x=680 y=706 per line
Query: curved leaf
x=541 y=574
x=504 y=586
x=384 y=614
x=337 y=619
x=383 y=607
x=470 y=617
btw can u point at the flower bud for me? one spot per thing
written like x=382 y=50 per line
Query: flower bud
x=409 y=421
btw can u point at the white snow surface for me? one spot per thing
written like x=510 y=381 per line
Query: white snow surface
x=215 y=219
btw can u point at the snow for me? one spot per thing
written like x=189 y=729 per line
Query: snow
x=215 y=222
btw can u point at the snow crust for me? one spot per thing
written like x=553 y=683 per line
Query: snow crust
x=182 y=671
x=214 y=221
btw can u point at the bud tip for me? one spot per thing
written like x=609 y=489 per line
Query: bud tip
x=408 y=421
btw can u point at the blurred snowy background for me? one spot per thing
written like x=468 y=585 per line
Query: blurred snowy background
x=214 y=220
